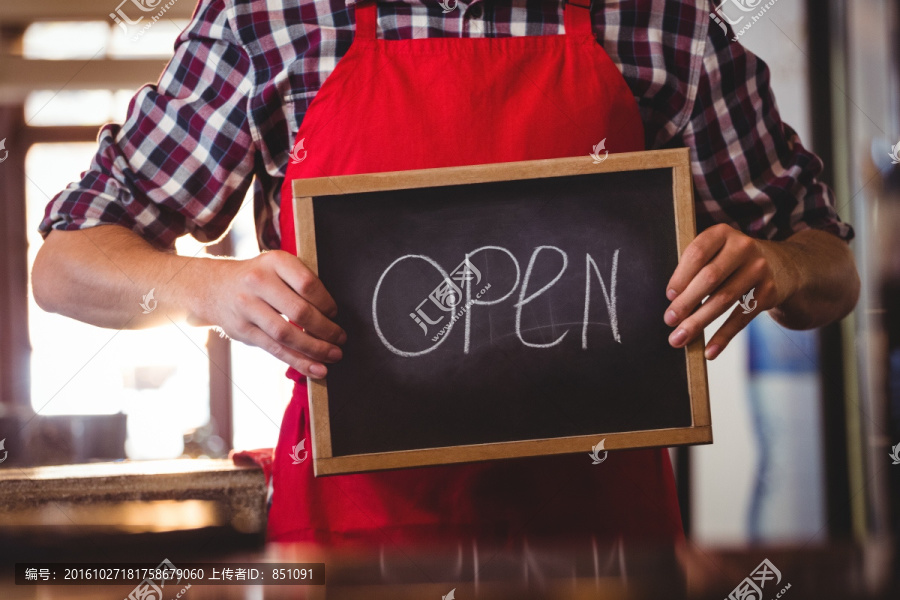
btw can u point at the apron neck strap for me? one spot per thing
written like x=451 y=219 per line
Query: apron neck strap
x=366 y=24
x=577 y=19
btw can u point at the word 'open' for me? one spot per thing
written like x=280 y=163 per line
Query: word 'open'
x=453 y=299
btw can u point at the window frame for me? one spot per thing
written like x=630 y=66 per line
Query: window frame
x=15 y=343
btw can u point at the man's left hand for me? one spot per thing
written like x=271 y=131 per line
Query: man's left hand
x=723 y=266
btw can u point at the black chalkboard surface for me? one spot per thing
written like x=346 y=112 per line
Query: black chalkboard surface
x=502 y=310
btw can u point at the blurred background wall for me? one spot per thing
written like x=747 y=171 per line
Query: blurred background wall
x=66 y=69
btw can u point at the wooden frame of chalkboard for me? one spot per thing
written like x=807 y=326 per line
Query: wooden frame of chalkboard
x=307 y=192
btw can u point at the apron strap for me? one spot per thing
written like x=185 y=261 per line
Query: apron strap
x=578 y=18
x=366 y=20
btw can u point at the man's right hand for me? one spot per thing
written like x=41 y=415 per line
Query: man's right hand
x=249 y=300
x=99 y=275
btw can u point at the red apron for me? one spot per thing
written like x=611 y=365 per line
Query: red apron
x=441 y=102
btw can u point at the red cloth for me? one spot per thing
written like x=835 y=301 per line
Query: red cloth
x=262 y=457
x=440 y=102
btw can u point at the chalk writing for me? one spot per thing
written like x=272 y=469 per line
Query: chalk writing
x=456 y=286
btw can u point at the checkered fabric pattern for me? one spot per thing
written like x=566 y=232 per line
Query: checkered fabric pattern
x=226 y=109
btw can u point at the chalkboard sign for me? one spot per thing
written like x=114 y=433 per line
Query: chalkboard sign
x=505 y=310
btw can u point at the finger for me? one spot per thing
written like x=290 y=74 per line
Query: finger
x=698 y=253
x=732 y=326
x=287 y=334
x=283 y=299
x=718 y=303
x=729 y=259
x=303 y=281
x=308 y=367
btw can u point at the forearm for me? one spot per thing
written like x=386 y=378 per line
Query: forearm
x=819 y=269
x=101 y=275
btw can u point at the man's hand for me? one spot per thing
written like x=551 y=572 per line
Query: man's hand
x=808 y=281
x=99 y=275
x=247 y=299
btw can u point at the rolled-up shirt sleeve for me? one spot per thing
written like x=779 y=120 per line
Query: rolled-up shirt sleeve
x=750 y=168
x=183 y=159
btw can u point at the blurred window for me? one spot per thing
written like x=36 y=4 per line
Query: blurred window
x=159 y=378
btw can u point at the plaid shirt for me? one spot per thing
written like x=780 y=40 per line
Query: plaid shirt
x=229 y=104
